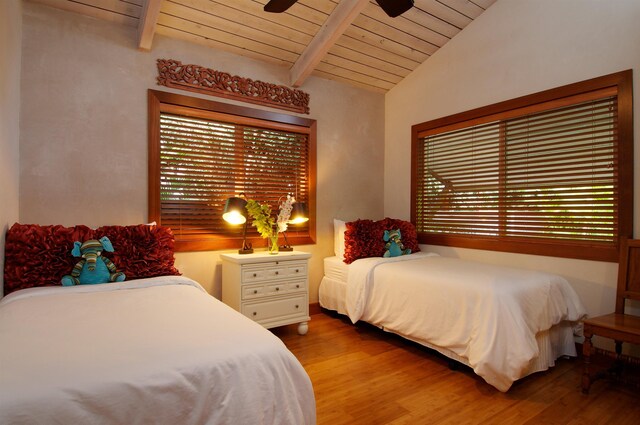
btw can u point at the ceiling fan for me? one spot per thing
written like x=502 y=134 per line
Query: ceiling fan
x=392 y=8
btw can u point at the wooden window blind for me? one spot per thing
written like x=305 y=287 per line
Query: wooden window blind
x=546 y=174
x=206 y=152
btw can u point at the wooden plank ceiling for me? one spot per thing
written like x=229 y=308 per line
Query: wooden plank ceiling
x=359 y=45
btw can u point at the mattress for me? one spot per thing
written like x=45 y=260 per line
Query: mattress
x=157 y=350
x=548 y=343
x=335 y=268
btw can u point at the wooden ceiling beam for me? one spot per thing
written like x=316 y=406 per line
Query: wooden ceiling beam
x=337 y=23
x=147 y=23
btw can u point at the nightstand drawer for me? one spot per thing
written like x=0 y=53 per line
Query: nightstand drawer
x=297 y=270
x=280 y=308
x=273 y=270
x=276 y=288
x=254 y=274
x=270 y=289
x=286 y=287
x=253 y=291
x=297 y=286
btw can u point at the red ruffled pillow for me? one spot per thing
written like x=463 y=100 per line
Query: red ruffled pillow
x=364 y=238
x=40 y=255
x=140 y=251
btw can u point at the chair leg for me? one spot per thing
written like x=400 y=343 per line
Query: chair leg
x=618 y=364
x=586 y=351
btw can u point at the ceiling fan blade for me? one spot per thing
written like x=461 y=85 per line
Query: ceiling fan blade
x=395 y=8
x=278 y=6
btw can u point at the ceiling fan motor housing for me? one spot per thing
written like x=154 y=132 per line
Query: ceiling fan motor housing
x=392 y=8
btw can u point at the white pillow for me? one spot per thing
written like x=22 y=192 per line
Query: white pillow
x=339 y=227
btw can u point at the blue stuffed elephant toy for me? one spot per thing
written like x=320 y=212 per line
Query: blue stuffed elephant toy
x=394 y=246
x=93 y=268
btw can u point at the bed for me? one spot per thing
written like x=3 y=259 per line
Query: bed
x=503 y=322
x=151 y=350
x=157 y=350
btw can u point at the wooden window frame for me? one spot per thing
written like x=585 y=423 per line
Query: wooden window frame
x=159 y=101
x=620 y=83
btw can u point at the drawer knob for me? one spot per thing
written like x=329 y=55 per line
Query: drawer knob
x=277 y=262
x=255 y=314
x=277 y=272
x=255 y=291
x=297 y=271
x=254 y=275
x=277 y=289
x=297 y=306
x=297 y=286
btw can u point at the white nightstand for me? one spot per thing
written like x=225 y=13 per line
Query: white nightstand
x=273 y=290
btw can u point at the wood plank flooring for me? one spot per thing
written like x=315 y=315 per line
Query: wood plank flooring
x=363 y=375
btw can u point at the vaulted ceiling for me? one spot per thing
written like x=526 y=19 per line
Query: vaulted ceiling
x=352 y=41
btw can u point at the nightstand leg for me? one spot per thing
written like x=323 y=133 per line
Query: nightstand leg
x=303 y=328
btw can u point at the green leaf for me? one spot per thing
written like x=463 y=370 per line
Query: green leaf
x=262 y=220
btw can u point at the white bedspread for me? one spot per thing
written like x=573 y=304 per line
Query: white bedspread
x=486 y=314
x=149 y=351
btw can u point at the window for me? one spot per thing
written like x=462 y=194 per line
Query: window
x=202 y=152
x=550 y=173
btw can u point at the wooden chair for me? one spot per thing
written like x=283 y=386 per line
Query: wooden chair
x=619 y=326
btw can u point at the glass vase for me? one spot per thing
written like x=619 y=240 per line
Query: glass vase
x=273 y=244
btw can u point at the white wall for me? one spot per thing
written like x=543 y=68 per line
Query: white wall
x=517 y=47
x=84 y=134
x=10 y=59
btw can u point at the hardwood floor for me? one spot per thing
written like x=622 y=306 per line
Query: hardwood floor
x=363 y=375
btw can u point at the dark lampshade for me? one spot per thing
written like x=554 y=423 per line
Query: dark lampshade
x=395 y=8
x=299 y=213
x=235 y=211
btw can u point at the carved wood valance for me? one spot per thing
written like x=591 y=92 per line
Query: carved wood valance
x=173 y=73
